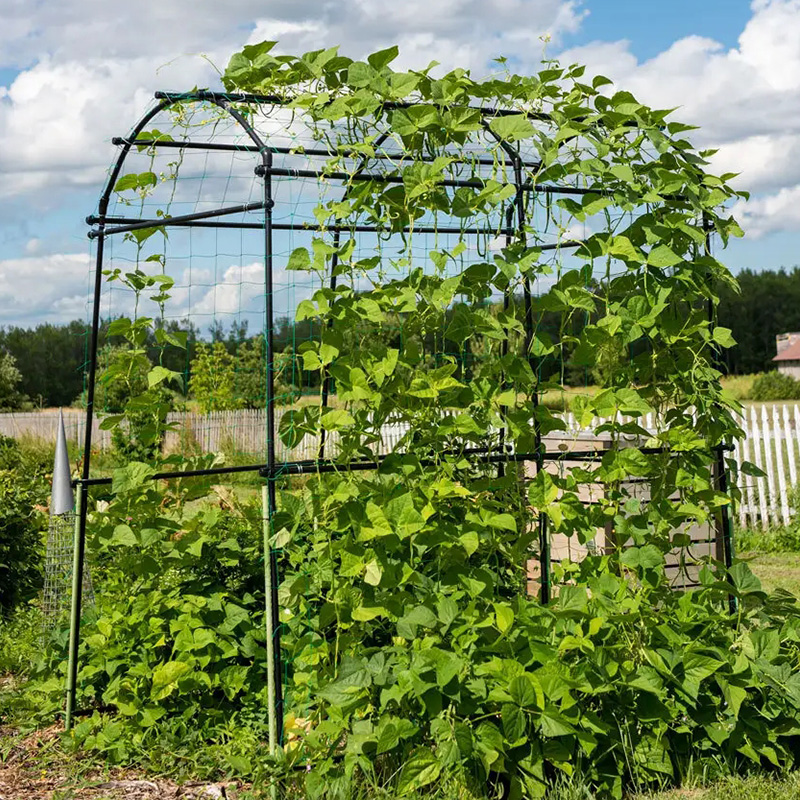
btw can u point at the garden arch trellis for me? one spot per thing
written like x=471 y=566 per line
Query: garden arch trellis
x=512 y=222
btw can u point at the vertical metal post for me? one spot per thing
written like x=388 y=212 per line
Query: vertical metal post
x=725 y=523
x=272 y=603
x=504 y=346
x=80 y=525
x=75 y=610
x=326 y=376
x=544 y=538
x=270 y=623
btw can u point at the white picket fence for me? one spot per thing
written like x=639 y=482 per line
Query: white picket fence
x=242 y=431
x=772 y=443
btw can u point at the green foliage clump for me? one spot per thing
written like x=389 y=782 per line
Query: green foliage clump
x=775 y=386
x=20 y=641
x=412 y=640
x=213 y=379
x=22 y=489
x=11 y=397
x=134 y=394
x=178 y=626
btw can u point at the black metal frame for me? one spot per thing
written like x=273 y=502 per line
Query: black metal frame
x=105 y=226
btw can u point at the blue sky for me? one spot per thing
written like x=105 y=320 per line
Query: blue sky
x=651 y=27
x=74 y=73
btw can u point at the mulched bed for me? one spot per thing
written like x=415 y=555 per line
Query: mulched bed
x=33 y=767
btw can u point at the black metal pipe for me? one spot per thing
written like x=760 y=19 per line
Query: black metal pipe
x=179 y=220
x=272 y=99
x=470 y=183
x=720 y=466
x=269 y=332
x=298 y=151
x=299 y=228
x=307 y=466
x=504 y=343
x=326 y=375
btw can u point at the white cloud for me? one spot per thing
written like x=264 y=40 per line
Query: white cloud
x=50 y=287
x=746 y=100
x=89 y=68
x=770 y=214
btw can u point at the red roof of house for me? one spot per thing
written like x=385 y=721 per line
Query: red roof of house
x=791 y=353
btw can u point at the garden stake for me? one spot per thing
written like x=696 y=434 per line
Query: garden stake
x=75 y=610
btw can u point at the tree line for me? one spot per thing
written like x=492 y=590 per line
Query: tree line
x=46 y=365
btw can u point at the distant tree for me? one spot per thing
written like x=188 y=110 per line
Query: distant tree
x=10 y=377
x=767 y=304
x=213 y=378
x=51 y=359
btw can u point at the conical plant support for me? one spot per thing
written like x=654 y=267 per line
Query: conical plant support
x=60 y=536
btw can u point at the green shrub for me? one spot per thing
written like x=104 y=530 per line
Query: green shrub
x=20 y=640
x=623 y=680
x=178 y=626
x=24 y=466
x=775 y=386
x=21 y=539
x=784 y=539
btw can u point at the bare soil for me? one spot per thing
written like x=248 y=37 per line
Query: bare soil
x=34 y=767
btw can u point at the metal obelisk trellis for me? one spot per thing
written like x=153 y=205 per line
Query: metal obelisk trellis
x=105 y=226
x=59 y=554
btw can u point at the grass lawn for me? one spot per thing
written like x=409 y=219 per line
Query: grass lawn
x=756 y=788
x=777 y=571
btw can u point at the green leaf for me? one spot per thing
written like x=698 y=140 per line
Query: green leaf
x=501 y=521
x=421 y=769
x=554 y=724
x=743 y=578
x=353 y=678
x=470 y=541
x=368 y=613
x=373 y=573
x=646 y=557
x=512 y=127
x=504 y=615
x=383 y=58
x=622 y=248
x=300 y=259
x=696 y=668
x=130 y=477
x=663 y=256
x=166 y=676
x=337 y=419
x=723 y=337
x=124 y=535
x=305 y=310
x=418 y=616
x=526 y=691
x=447 y=610
x=126 y=182
x=514 y=722
x=158 y=375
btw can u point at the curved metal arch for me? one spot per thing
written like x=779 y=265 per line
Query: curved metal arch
x=165 y=102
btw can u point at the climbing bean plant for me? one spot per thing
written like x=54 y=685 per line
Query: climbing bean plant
x=415 y=652
x=414 y=644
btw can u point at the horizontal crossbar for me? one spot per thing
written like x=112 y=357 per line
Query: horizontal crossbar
x=299 y=150
x=311 y=466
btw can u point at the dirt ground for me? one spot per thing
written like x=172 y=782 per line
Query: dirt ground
x=34 y=767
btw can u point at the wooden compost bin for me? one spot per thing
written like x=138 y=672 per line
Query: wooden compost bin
x=683 y=564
